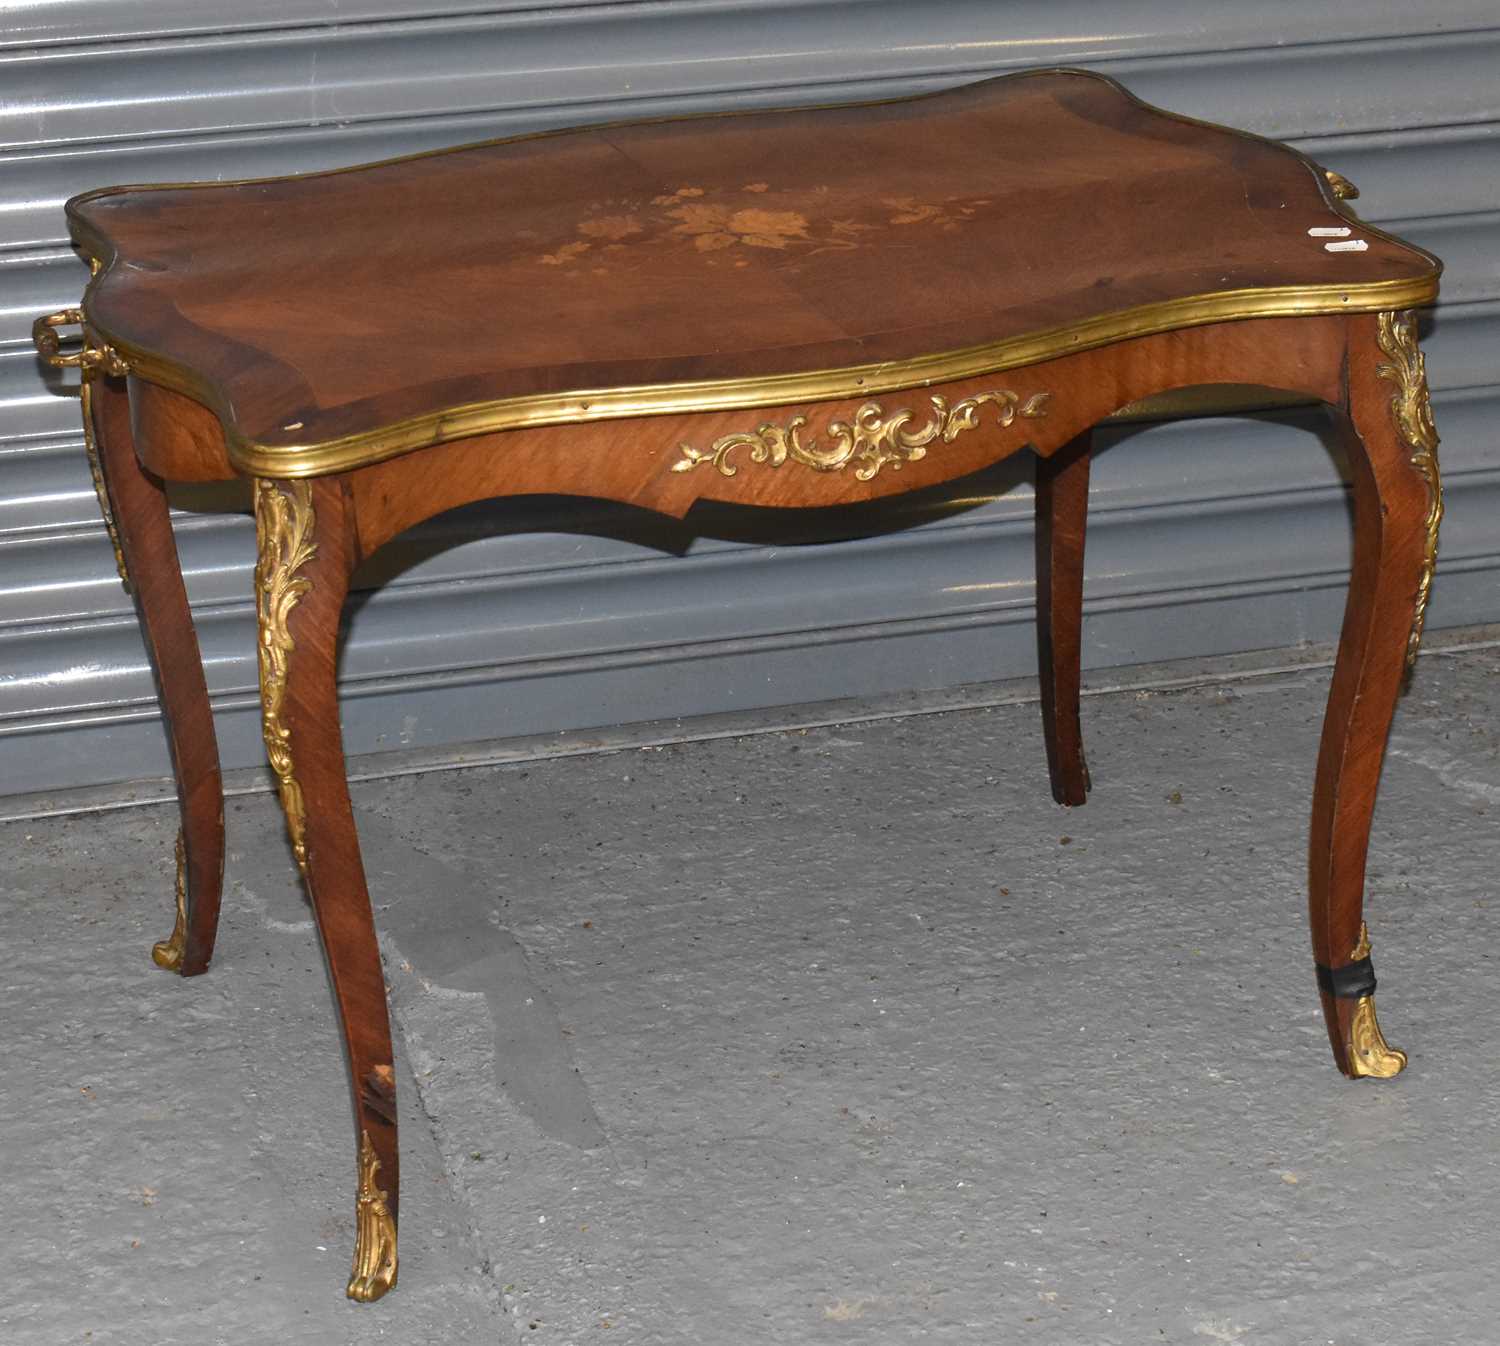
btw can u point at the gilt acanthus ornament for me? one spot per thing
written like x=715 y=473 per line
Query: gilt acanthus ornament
x=868 y=442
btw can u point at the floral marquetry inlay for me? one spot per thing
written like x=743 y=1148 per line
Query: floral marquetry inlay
x=871 y=440
x=722 y=223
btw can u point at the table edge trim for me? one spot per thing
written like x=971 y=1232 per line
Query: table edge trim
x=579 y=406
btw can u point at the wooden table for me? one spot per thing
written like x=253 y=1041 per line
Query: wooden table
x=788 y=308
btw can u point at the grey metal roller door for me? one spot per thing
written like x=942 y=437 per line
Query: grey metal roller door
x=1206 y=536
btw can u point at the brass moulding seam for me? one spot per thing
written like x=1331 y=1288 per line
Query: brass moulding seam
x=375 y=1262
x=284 y=522
x=577 y=406
x=1411 y=410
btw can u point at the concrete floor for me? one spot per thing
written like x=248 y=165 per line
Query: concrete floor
x=846 y=1034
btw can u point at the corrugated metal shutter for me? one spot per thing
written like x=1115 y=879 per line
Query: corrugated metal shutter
x=1206 y=536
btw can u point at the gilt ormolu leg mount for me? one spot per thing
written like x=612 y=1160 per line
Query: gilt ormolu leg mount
x=306 y=553
x=134 y=505
x=1062 y=508
x=1398 y=505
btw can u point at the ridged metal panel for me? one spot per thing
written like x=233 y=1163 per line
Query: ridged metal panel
x=1205 y=536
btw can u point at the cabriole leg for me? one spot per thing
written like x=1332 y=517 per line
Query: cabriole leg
x=306 y=549
x=135 y=507
x=1062 y=506
x=1397 y=509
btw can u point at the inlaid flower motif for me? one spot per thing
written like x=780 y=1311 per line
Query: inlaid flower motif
x=748 y=217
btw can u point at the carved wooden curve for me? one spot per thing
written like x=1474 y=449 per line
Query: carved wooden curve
x=698 y=329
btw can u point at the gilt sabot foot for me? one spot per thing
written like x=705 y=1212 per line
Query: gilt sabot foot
x=168 y=953
x=1370 y=1055
x=375 y=1237
x=1351 y=991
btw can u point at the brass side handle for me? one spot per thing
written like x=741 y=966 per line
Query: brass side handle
x=47 y=337
x=1340 y=186
x=89 y=360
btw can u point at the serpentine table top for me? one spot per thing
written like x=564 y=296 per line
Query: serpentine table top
x=337 y=318
x=785 y=308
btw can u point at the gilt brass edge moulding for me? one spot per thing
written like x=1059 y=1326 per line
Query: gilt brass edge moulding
x=284 y=523
x=323 y=458
x=1411 y=410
